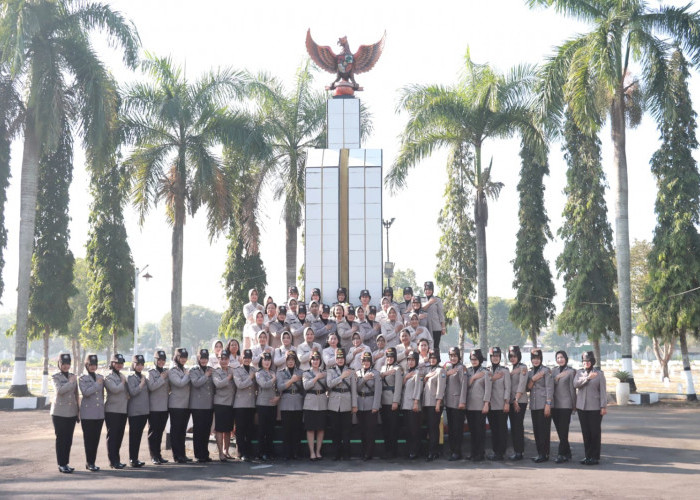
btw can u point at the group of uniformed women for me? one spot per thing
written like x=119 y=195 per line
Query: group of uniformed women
x=363 y=366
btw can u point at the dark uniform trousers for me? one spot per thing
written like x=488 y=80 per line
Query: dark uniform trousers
x=412 y=420
x=562 y=419
x=63 y=428
x=590 y=428
x=341 y=423
x=437 y=335
x=477 y=432
x=517 y=427
x=498 y=421
x=390 y=426
x=156 y=425
x=368 y=426
x=291 y=432
x=455 y=429
x=266 y=429
x=245 y=426
x=136 y=425
x=115 y=423
x=432 y=421
x=179 y=418
x=201 y=428
x=541 y=427
x=91 y=438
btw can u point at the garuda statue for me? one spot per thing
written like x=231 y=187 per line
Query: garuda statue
x=346 y=64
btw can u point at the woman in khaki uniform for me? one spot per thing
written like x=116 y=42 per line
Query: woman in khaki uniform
x=92 y=410
x=315 y=406
x=500 y=405
x=564 y=404
x=541 y=390
x=455 y=402
x=369 y=400
x=518 y=401
x=342 y=403
x=412 y=394
x=266 y=406
x=391 y=375
x=291 y=388
x=116 y=410
x=591 y=406
x=223 y=405
x=478 y=400
x=433 y=394
x=64 y=411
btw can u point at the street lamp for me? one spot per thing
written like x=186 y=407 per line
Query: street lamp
x=137 y=275
x=388 y=265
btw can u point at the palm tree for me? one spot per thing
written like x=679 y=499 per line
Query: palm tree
x=482 y=105
x=45 y=45
x=293 y=122
x=594 y=67
x=176 y=127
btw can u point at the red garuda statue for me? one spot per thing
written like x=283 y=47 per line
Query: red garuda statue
x=346 y=64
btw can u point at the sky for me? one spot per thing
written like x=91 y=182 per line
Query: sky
x=426 y=43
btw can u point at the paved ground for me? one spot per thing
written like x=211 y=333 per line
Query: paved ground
x=649 y=452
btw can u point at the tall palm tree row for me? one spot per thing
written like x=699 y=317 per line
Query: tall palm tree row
x=45 y=45
x=176 y=127
x=483 y=105
x=594 y=68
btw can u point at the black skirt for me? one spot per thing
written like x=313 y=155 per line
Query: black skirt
x=223 y=418
x=315 y=420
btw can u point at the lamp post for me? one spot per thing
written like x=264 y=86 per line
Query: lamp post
x=388 y=265
x=137 y=275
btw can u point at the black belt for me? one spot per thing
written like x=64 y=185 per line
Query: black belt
x=291 y=391
x=342 y=391
x=388 y=388
x=365 y=394
x=318 y=393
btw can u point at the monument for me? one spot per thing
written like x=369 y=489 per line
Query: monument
x=343 y=186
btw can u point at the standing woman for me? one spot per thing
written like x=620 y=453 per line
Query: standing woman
x=64 y=411
x=404 y=349
x=541 y=389
x=346 y=327
x=234 y=353
x=433 y=393
x=201 y=405
x=411 y=404
x=564 y=404
x=179 y=404
x=244 y=406
x=291 y=387
x=342 y=403
x=307 y=348
x=499 y=405
x=436 y=314
x=478 y=400
x=92 y=410
x=216 y=347
x=455 y=401
x=369 y=400
x=392 y=376
x=391 y=327
x=158 y=390
x=518 y=401
x=328 y=354
x=223 y=405
x=266 y=405
x=137 y=409
x=115 y=410
x=591 y=403
x=315 y=406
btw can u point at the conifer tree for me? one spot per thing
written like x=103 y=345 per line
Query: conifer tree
x=674 y=261
x=587 y=262
x=533 y=306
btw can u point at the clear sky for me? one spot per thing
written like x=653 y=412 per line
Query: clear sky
x=426 y=42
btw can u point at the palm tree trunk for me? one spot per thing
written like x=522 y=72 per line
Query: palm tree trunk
x=27 y=216
x=45 y=373
x=690 y=387
x=481 y=284
x=596 y=351
x=291 y=249
x=533 y=336
x=622 y=236
x=176 y=293
x=115 y=347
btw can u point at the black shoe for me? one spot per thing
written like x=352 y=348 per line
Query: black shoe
x=70 y=468
x=266 y=458
x=92 y=467
x=117 y=465
x=180 y=460
x=495 y=458
x=593 y=461
x=453 y=457
x=412 y=456
x=561 y=459
x=516 y=456
x=155 y=461
x=429 y=458
x=539 y=459
x=479 y=458
x=136 y=463
x=64 y=469
x=584 y=461
x=163 y=460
